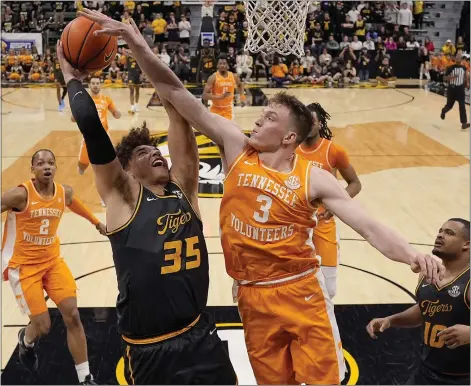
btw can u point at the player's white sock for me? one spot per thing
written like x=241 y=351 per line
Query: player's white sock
x=136 y=107
x=82 y=371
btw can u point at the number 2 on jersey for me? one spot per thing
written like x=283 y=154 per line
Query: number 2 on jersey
x=176 y=256
x=262 y=215
x=44 y=228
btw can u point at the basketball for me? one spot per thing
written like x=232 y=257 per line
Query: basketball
x=83 y=50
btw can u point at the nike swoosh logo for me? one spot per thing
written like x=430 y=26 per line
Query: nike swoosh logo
x=249 y=163
x=425 y=285
x=80 y=92
x=307 y=298
x=212 y=332
x=108 y=57
x=151 y=199
x=34 y=202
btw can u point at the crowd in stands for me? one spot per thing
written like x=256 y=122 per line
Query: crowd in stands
x=342 y=40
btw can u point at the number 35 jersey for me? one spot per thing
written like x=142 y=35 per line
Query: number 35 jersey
x=161 y=265
x=30 y=235
x=266 y=220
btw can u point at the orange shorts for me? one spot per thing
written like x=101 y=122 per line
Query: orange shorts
x=29 y=282
x=223 y=112
x=325 y=240
x=291 y=332
x=83 y=154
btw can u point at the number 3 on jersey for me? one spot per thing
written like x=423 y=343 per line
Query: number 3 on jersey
x=176 y=256
x=262 y=214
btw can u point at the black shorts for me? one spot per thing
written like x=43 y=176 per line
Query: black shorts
x=59 y=77
x=196 y=357
x=425 y=376
x=134 y=79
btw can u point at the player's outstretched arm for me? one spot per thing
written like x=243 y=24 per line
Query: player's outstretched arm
x=223 y=132
x=113 y=183
x=325 y=187
x=77 y=206
x=410 y=318
x=183 y=153
x=15 y=198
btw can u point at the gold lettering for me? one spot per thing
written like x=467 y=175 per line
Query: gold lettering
x=173 y=221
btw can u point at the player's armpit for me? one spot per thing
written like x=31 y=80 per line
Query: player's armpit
x=349 y=211
x=15 y=198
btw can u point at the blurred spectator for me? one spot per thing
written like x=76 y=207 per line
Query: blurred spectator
x=148 y=34
x=390 y=15
x=262 y=64
x=317 y=40
x=224 y=38
x=231 y=59
x=429 y=45
x=325 y=59
x=347 y=27
x=244 y=34
x=391 y=44
x=126 y=18
x=449 y=48
x=363 y=62
x=419 y=14
x=406 y=34
x=164 y=56
x=344 y=43
x=59 y=9
x=137 y=14
x=160 y=27
x=424 y=60
x=412 y=44
x=279 y=71
x=233 y=36
x=307 y=61
x=173 y=33
x=378 y=13
x=368 y=43
x=405 y=16
x=360 y=28
x=401 y=43
x=460 y=44
x=356 y=45
x=244 y=63
x=207 y=62
x=350 y=74
x=332 y=45
x=379 y=43
x=185 y=28
x=385 y=72
x=347 y=54
x=353 y=14
x=296 y=72
x=182 y=65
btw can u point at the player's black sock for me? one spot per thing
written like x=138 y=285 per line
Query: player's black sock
x=64 y=92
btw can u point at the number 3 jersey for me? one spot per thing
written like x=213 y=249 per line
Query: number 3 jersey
x=266 y=220
x=161 y=265
x=442 y=308
x=30 y=235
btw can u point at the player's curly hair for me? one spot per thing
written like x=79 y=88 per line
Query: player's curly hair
x=138 y=136
x=300 y=114
x=323 y=116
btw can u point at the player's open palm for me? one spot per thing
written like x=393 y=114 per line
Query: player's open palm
x=377 y=325
x=429 y=266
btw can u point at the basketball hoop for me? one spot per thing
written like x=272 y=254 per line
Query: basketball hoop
x=276 y=26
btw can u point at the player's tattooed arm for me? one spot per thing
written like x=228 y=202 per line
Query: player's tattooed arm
x=15 y=199
x=183 y=153
x=223 y=132
x=325 y=187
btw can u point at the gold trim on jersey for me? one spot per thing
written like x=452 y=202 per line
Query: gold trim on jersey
x=186 y=197
x=161 y=338
x=421 y=279
x=465 y=293
x=138 y=204
x=451 y=282
x=131 y=372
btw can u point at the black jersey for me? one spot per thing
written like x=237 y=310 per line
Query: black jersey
x=133 y=68
x=161 y=265
x=442 y=308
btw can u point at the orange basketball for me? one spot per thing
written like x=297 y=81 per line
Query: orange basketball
x=83 y=50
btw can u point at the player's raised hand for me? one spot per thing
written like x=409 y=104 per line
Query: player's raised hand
x=108 y=25
x=66 y=68
x=377 y=325
x=455 y=336
x=429 y=266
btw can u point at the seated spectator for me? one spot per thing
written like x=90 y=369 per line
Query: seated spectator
x=325 y=58
x=231 y=59
x=391 y=44
x=114 y=74
x=363 y=62
x=449 y=48
x=429 y=45
x=335 y=72
x=244 y=65
x=307 y=61
x=401 y=44
x=16 y=73
x=262 y=63
x=345 y=42
x=385 y=73
x=406 y=34
x=412 y=44
x=279 y=72
x=356 y=45
x=36 y=73
x=182 y=65
x=332 y=44
x=347 y=54
x=379 y=43
x=316 y=76
x=424 y=60
x=184 y=27
x=296 y=72
x=368 y=43
x=460 y=44
x=350 y=74
x=164 y=56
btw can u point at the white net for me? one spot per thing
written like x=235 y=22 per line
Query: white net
x=276 y=26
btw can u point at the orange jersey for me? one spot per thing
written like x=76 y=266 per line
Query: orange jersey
x=103 y=104
x=266 y=220
x=27 y=60
x=222 y=85
x=11 y=59
x=328 y=156
x=30 y=236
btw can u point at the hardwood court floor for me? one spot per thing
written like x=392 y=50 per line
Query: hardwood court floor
x=414 y=169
